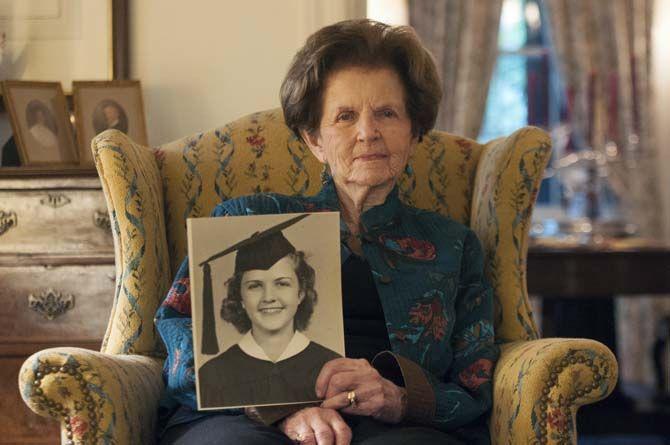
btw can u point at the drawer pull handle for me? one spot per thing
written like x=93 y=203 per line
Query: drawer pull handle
x=7 y=221
x=51 y=304
x=101 y=219
x=55 y=200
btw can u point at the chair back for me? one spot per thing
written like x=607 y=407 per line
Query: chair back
x=151 y=193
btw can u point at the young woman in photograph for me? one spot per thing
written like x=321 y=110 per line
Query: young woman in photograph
x=271 y=299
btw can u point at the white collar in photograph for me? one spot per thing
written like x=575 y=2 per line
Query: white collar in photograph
x=297 y=344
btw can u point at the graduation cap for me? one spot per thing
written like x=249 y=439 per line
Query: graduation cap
x=260 y=251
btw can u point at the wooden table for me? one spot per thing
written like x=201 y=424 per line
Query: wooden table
x=580 y=272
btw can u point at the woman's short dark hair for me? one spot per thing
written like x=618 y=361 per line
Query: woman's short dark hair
x=233 y=312
x=361 y=43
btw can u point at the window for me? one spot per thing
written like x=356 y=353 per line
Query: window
x=524 y=88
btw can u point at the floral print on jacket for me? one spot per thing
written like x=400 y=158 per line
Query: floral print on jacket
x=438 y=306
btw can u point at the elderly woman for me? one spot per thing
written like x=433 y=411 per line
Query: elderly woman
x=271 y=298
x=417 y=308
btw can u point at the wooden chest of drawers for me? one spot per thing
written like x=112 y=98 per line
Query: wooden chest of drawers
x=56 y=283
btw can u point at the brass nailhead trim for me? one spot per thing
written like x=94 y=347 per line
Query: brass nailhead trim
x=57 y=409
x=579 y=392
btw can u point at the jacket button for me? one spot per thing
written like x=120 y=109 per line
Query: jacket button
x=385 y=279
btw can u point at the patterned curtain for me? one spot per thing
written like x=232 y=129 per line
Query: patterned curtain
x=603 y=51
x=463 y=37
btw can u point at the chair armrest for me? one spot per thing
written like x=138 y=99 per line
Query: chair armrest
x=540 y=384
x=133 y=189
x=98 y=398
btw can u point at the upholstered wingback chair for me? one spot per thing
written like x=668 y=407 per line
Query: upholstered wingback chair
x=111 y=396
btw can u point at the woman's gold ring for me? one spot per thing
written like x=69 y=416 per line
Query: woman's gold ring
x=298 y=438
x=351 y=397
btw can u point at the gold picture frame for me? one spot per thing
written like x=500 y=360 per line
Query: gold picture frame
x=40 y=122
x=103 y=105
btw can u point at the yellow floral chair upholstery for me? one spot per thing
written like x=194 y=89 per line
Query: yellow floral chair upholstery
x=111 y=396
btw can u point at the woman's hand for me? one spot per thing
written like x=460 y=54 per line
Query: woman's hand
x=375 y=396
x=316 y=426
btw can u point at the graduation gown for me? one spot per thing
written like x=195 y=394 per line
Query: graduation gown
x=234 y=378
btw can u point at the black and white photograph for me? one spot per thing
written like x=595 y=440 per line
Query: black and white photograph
x=267 y=309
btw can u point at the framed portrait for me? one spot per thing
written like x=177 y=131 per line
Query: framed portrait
x=40 y=122
x=104 y=105
x=266 y=303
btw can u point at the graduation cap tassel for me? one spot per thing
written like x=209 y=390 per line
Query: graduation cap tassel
x=209 y=343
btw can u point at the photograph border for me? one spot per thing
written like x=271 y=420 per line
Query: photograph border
x=337 y=345
x=77 y=85
x=63 y=119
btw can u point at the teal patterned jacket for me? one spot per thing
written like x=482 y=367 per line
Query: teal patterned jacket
x=428 y=271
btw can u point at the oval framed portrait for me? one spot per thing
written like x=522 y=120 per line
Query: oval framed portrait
x=107 y=105
x=40 y=122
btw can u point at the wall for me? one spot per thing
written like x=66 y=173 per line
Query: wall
x=204 y=63
x=661 y=82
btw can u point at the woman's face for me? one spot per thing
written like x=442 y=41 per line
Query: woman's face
x=365 y=134
x=271 y=297
x=40 y=117
x=111 y=114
